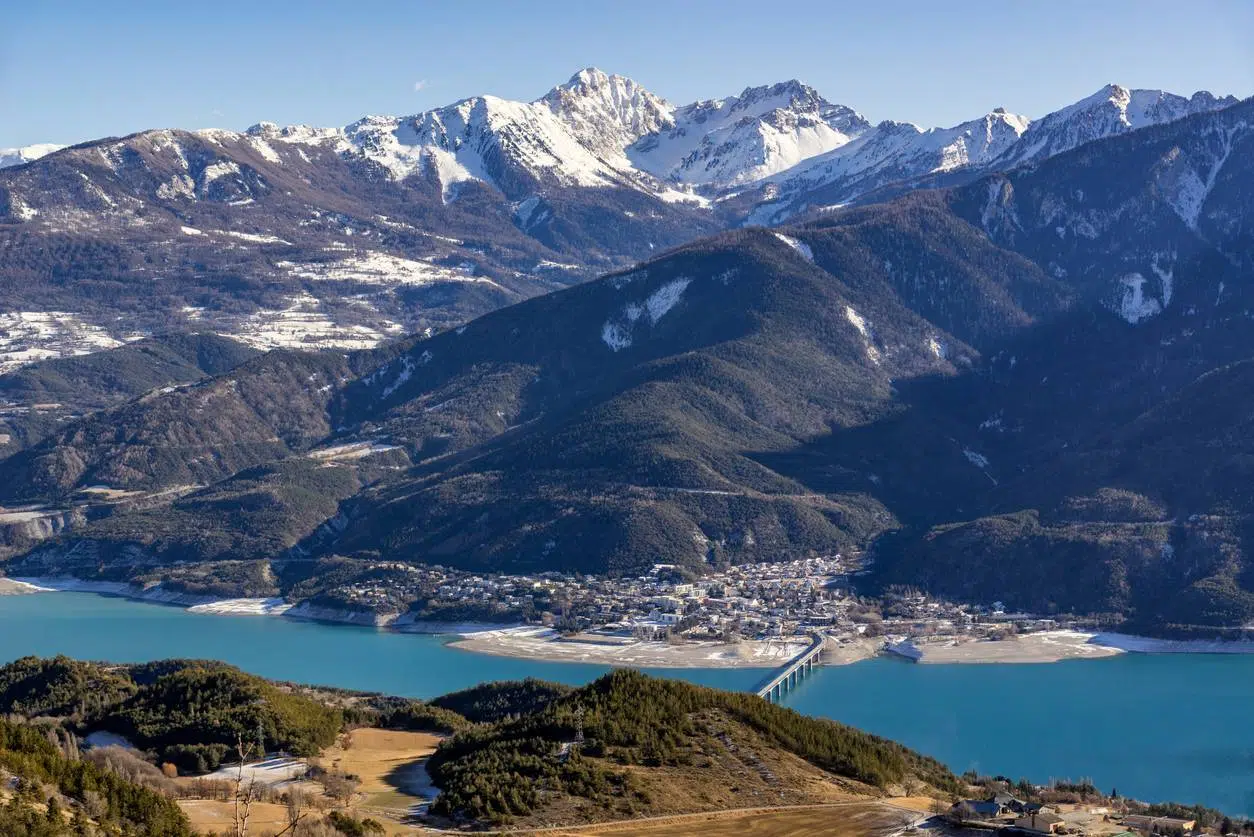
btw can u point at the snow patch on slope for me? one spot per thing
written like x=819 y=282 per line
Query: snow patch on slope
x=29 y=336
x=303 y=324
x=664 y=298
x=222 y=168
x=1186 y=190
x=859 y=322
x=266 y=151
x=617 y=331
x=379 y=269
x=178 y=186
x=979 y=460
x=1165 y=275
x=615 y=336
x=451 y=173
x=20 y=209
x=797 y=244
x=255 y=238
x=402 y=377
x=1134 y=304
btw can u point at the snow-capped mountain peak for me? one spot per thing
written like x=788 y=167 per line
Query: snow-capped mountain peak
x=721 y=143
x=983 y=140
x=26 y=154
x=1112 y=110
x=607 y=112
x=891 y=152
x=601 y=129
x=511 y=145
x=772 y=150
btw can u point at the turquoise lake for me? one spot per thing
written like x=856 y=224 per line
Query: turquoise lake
x=1172 y=726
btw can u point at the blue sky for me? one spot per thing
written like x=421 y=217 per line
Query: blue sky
x=71 y=71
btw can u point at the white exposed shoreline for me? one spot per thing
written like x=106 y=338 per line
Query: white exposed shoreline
x=1041 y=647
x=1150 y=645
x=539 y=643
x=536 y=642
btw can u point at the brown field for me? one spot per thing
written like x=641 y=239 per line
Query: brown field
x=857 y=819
x=922 y=804
x=265 y=818
x=206 y=816
x=379 y=758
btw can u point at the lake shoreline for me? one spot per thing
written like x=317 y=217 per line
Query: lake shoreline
x=1027 y=649
x=969 y=716
x=530 y=642
x=545 y=644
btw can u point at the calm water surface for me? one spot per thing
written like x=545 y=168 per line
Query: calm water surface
x=1154 y=726
x=92 y=627
x=1163 y=726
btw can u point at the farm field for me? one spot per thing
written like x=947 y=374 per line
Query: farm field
x=852 y=819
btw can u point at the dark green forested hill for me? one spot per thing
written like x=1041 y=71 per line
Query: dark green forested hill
x=192 y=713
x=117 y=806
x=492 y=702
x=611 y=453
x=639 y=731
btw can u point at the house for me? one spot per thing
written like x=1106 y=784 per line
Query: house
x=1009 y=803
x=1159 y=825
x=1040 y=822
x=974 y=810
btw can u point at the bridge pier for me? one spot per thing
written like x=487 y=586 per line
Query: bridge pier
x=793 y=672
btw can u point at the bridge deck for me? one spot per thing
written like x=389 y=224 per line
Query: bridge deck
x=809 y=657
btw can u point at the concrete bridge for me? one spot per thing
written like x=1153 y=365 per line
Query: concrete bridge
x=790 y=675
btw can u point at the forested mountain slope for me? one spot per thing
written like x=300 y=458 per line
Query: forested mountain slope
x=36 y=398
x=1036 y=343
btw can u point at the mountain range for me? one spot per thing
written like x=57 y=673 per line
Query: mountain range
x=347 y=237
x=1016 y=381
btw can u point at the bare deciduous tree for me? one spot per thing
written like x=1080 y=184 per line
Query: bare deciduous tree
x=296 y=802
x=339 y=787
x=245 y=794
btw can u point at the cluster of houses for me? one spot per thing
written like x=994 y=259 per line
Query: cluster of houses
x=1006 y=813
x=755 y=600
x=751 y=601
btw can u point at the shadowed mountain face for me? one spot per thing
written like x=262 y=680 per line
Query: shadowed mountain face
x=621 y=418
x=1025 y=389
